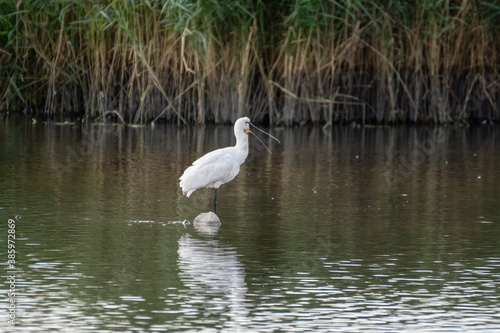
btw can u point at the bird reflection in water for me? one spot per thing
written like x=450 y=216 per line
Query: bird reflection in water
x=215 y=278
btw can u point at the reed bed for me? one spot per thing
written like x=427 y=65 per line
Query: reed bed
x=281 y=62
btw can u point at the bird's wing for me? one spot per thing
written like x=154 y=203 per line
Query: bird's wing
x=211 y=170
x=212 y=156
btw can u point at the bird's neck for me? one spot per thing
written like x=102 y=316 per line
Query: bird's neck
x=242 y=142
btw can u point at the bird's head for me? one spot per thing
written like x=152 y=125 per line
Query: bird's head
x=243 y=124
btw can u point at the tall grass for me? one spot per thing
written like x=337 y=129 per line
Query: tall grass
x=281 y=61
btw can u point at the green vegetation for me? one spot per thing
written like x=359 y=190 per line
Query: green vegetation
x=280 y=61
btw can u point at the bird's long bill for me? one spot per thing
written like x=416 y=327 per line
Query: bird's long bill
x=264 y=133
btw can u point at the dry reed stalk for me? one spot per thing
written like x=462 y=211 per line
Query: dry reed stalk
x=245 y=65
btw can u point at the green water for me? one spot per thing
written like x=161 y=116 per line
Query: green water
x=374 y=229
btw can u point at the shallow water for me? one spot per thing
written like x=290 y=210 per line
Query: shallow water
x=348 y=229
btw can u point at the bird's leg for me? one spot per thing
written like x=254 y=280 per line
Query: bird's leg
x=215 y=201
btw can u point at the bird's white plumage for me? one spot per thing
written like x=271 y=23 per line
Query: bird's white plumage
x=219 y=166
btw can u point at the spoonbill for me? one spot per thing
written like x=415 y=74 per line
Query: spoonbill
x=222 y=165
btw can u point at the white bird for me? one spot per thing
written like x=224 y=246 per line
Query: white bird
x=219 y=166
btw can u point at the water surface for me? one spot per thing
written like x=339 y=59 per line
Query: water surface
x=348 y=229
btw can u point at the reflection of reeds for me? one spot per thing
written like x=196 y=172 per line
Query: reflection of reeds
x=281 y=61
